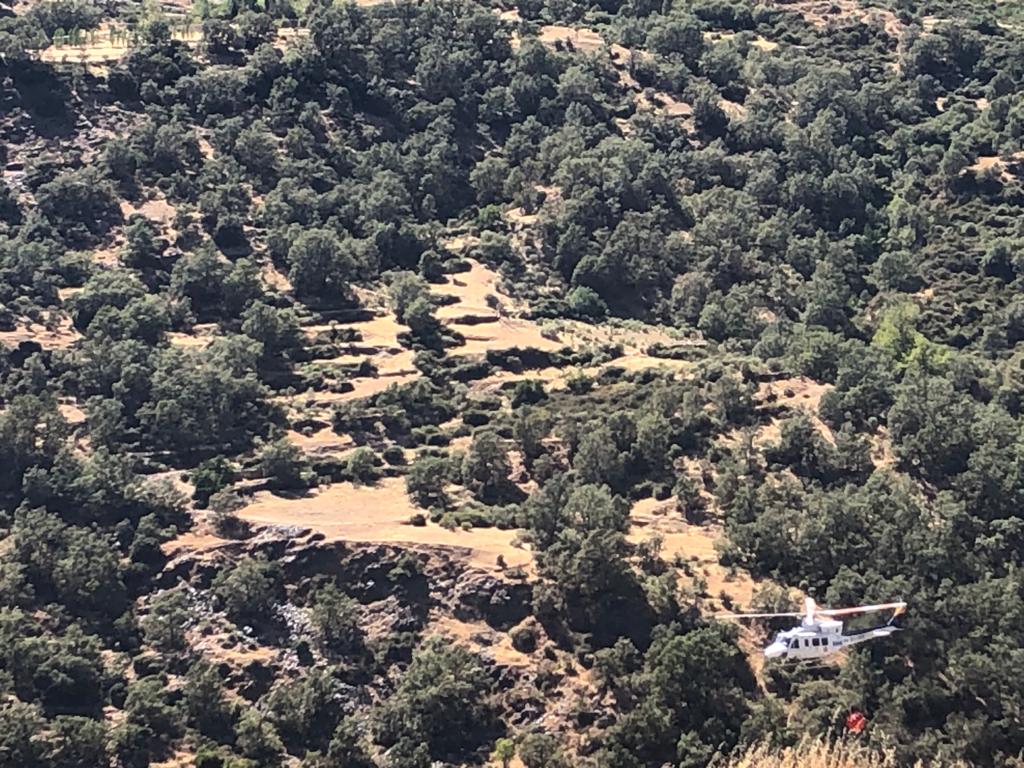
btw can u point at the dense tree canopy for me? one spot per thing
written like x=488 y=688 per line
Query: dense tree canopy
x=760 y=267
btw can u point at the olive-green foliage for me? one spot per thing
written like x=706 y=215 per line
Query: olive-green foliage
x=486 y=468
x=442 y=701
x=426 y=479
x=249 y=589
x=321 y=264
x=821 y=215
x=165 y=623
x=284 y=465
x=336 y=616
x=306 y=712
x=362 y=465
x=205 y=400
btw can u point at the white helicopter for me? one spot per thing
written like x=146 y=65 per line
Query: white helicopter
x=820 y=634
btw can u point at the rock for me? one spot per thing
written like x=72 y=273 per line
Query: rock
x=477 y=595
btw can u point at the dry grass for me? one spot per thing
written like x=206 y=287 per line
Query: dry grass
x=552 y=378
x=472 y=290
x=478 y=636
x=105 y=50
x=158 y=211
x=665 y=104
x=380 y=514
x=994 y=164
x=503 y=334
x=180 y=759
x=693 y=543
x=72 y=413
x=200 y=335
x=823 y=13
x=792 y=393
x=580 y=38
x=815 y=754
x=483 y=313
x=276 y=279
x=56 y=334
x=323 y=441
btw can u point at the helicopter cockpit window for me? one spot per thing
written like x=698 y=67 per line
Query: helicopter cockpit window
x=794 y=643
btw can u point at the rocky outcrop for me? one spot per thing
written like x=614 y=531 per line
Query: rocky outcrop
x=482 y=596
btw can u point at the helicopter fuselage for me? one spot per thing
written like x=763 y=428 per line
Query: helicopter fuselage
x=818 y=639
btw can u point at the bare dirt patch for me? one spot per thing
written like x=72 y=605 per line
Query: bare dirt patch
x=552 y=378
x=791 y=395
x=997 y=165
x=56 y=333
x=380 y=514
x=822 y=13
x=159 y=211
x=477 y=293
x=104 y=47
x=665 y=104
x=324 y=440
x=693 y=543
x=180 y=759
x=481 y=638
x=577 y=38
x=71 y=412
x=798 y=391
x=198 y=338
x=506 y=333
x=276 y=279
x=289 y=36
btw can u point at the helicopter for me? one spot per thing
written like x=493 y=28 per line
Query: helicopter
x=820 y=634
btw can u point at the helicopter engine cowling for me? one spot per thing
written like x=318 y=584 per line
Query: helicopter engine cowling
x=776 y=650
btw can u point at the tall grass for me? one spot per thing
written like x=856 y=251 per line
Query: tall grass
x=815 y=754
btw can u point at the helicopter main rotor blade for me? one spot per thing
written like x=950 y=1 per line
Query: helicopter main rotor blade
x=757 y=615
x=898 y=606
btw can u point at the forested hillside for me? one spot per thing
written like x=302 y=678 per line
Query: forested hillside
x=410 y=383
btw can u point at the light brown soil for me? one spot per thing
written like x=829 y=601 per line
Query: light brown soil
x=104 y=50
x=72 y=413
x=323 y=441
x=504 y=334
x=288 y=36
x=380 y=513
x=995 y=163
x=693 y=543
x=666 y=104
x=276 y=279
x=552 y=378
x=496 y=645
x=180 y=759
x=822 y=13
x=733 y=110
x=803 y=392
x=199 y=337
x=580 y=38
x=61 y=336
x=882 y=455
x=158 y=211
